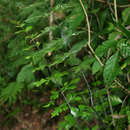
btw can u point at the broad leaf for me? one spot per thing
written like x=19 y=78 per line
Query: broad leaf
x=96 y=67
x=102 y=49
x=26 y=74
x=126 y=16
x=111 y=69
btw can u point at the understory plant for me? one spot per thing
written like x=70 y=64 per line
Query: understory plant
x=76 y=52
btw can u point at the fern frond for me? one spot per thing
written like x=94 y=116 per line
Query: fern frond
x=10 y=93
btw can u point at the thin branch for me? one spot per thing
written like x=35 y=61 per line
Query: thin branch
x=115 y=8
x=119 y=36
x=65 y=98
x=98 y=21
x=111 y=109
x=89 y=44
x=124 y=101
x=51 y=20
x=89 y=33
x=101 y=99
x=122 y=87
x=123 y=6
x=108 y=53
x=91 y=97
x=119 y=6
x=68 y=104
x=110 y=6
x=128 y=77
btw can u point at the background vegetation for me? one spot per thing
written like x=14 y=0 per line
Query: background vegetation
x=65 y=63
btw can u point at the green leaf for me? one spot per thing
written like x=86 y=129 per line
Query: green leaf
x=124 y=31
x=115 y=100
x=126 y=16
x=39 y=83
x=26 y=74
x=74 y=81
x=124 y=47
x=70 y=120
x=111 y=69
x=85 y=65
x=53 y=46
x=28 y=29
x=77 y=47
x=10 y=93
x=76 y=17
x=62 y=125
x=113 y=35
x=66 y=35
x=30 y=8
x=57 y=77
x=100 y=93
x=60 y=58
x=96 y=127
x=49 y=104
x=73 y=60
x=103 y=16
x=128 y=113
x=96 y=67
x=37 y=57
x=59 y=109
x=74 y=111
x=102 y=49
x=54 y=95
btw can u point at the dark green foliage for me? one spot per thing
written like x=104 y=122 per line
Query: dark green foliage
x=76 y=82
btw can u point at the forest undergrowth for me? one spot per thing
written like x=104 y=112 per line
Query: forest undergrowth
x=64 y=65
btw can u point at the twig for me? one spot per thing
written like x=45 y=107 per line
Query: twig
x=124 y=101
x=128 y=77
x=115 y=8
x=65 y=98
x=98 y=21
x=89 y=33
x=91 y=97
x=119 y=6
x=122 y=87
x=51 y=20
x=109 y=4
x=68 y=104
x=111 y=109
x=108 y=53
x=89 y=44
x=123 y=6
x=119 y=36
x=105 y=114
x=128 y=27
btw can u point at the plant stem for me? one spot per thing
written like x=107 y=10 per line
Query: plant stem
x=89 y=33
x=51 y=20
x=115 y=8
x=111 y=109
